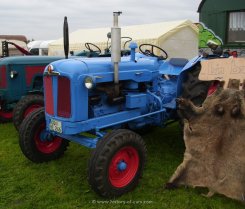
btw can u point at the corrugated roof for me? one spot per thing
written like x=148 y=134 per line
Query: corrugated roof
x=14 y=37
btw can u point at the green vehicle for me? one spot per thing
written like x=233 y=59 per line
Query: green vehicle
x=21 y=76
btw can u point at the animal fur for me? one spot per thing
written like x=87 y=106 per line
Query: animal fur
x=214 y=136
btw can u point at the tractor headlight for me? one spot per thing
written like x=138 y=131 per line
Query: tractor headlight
x=89 y=82
x=13 y=74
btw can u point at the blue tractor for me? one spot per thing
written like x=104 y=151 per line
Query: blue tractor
x=100 y=103
x=25 y=87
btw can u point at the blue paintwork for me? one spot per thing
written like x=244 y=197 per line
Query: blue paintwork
x=122 y=166
x=133 y=46
x=17 y=88
x=152 y=106
x=86 y=141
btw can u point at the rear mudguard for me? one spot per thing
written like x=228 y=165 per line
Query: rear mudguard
x=191 y=63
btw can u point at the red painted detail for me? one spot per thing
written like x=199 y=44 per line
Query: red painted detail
x=46 y=146
x=130 y=156
x=64 y=97
x=31 y=71
x=213 y=87
x=3 y=77
x=31 y=108
x=49 y=98
x=234 y=54
x=6 y=115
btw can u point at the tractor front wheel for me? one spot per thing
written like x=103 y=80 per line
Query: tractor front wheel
x=25 y=106
x=117 y=163
x=36 y=143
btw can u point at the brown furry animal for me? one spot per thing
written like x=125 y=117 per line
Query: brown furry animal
x=214 y=136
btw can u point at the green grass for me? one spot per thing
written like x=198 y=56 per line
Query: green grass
x=63 y=183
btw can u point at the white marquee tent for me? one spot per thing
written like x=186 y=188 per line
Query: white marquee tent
x=177 y=38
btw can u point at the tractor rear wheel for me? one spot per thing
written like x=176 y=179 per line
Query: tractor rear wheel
x=36 y=143
x=117 y=163
x=194 y=89
x=25 y=106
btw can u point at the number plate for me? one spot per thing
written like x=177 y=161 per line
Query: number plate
x=55 y=126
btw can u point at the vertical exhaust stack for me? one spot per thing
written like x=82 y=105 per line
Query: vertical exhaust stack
x=66 y=37
x=116 y=48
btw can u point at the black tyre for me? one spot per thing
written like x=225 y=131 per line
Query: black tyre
x=194 y=89
x=117 y=163
x=25 y=106
x=36 y=143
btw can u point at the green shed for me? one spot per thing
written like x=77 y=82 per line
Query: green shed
x=227 y=19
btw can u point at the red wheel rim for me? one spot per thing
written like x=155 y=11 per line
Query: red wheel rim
x=46 y=146
x=213 y=87
x=31 y=109
x=128 y=157
x=6 y=115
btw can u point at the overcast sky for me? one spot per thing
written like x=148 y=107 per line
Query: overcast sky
x=43 y=19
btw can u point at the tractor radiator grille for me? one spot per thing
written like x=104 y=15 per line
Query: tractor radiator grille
x=64 y=97
x=3 y=77
x=49 y=98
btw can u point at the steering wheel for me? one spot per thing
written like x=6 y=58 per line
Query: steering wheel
x=89 y=46
x=125 y=37
x=150 y=52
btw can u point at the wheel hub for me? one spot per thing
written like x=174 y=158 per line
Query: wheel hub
x=45 y=142
x=44 y=136
x=122 y=166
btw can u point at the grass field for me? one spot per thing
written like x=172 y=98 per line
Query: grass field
x=63 y=183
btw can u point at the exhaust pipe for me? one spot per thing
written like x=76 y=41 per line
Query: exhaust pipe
x=66 y=37
x=116 y=48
